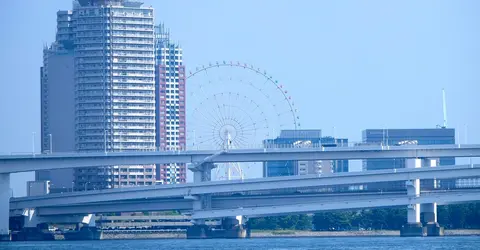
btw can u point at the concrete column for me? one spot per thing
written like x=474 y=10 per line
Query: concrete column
x=430 y=220
x=413 y=226
x=233 y=228
x=201 y=173
x=4 y=207
x=429 y=212
x=413 y=190
x=431 y=163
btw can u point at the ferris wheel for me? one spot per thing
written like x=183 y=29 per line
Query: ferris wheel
x=233 y=106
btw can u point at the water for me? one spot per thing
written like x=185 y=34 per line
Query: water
x=390 y=243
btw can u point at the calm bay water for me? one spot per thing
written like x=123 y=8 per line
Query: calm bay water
x=391 y=243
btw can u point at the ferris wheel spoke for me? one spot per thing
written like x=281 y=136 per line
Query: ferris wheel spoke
x=247 y=135
x=221 y=115
x=218 y=120
x=204 y=91
x=243 y=140
x=204 y=122
x=245 y=117
x=204 y=116
x=207 y=140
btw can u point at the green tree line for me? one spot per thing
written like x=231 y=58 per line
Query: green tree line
x=459 y=216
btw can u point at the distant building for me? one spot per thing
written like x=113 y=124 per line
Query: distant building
x=99 y=91
x=170 y=104
x=36 y=188
x=57 y=105
x=303 y=138
x=399 y=137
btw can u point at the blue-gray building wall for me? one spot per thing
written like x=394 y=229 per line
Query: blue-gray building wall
x=287 y=138
x=58 y=114
x=393 y=136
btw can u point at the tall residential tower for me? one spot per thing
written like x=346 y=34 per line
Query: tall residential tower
x=115 y=88
x=98 y=89
x=170 y=108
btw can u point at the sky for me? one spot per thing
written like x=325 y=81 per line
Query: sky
x=351 y=65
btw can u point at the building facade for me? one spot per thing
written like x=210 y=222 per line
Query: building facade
x=303 y=138
x=115 y=88
x=397 y=137
x=99 y=91
x=170 y=104
x=57 y=105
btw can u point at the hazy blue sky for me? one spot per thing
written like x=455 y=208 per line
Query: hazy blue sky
x=348 y=64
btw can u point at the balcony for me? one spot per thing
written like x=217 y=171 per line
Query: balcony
x=133 y=48
x=115 y=100
x=132 y=28
x=133 y=61
x=130 y=41
x=133 y=107
x=130 y=54
x=139 y=121
x=123 y=20
x=133 y=87
x=150 y=127
x=133 y=94
x=133 y=68
x=133 y=140
x=133 y=81
x=133 y=35
x=143 y=74
x=133 y=134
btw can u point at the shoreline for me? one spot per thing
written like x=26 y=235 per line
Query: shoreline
x=283 y=234
x=373 y=233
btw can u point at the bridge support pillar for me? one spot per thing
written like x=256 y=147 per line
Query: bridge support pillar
x=429 y=211
x=430 y=220
x=201 y=173
x=5 y=207
x=234 y=228
x=432 y=183
x=413 y=227
x=34 y=228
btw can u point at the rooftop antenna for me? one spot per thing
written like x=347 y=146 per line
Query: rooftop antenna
x=444 y=110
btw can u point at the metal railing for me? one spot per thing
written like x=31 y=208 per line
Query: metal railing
x=323 y=147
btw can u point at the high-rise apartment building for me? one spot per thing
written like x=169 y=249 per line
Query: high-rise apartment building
x=397 y=137
x=58 y=102
x=108 y=49
x=303 y=138
x=170 y=104
x=115 y=88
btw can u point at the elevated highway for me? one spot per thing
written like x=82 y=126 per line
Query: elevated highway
x=198 y=193
x=218 y=202
x=439 y=198
x=264 y=184
x=32 y=162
